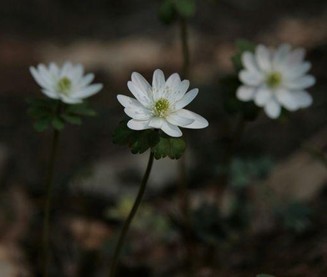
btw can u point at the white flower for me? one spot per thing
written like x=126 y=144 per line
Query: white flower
x=275 y=78
x=160 y=106
x=67 y=83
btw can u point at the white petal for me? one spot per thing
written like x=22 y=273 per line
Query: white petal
x=141 y=83
x=156 y=122
x=296 y=56
x=187 y=99
x=128 y=102
x=297 y=71
x=77 y=73
x=303 y=98
x=171 y=130
x=87 y=91
x=86 y=80
x=158 y=79
x=287 y=99
x=139 y=94
x=69 y=100
x=179 y=120
x=138 y=113
x=250 y=78
x=249 y=62
x=272 y=109
x=38 y=78
x=45 y=75
x=279 y=57
x=138 y=124
x=173 y=81
x=66 y=69
x=263 y=57
x=300 y=83
x=54 y=70
x=245 y=93
x=199 y=121
x=262 y=96
x=50 y=93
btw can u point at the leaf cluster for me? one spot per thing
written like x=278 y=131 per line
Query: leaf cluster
x=140 y=141
x=170 y=10
x=49 y=113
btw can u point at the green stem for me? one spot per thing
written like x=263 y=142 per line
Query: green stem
x=47 y=208
x=131 y=215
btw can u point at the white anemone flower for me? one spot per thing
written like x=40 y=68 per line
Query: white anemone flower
x=161 y=106
x=67 y=83
x=276 y=78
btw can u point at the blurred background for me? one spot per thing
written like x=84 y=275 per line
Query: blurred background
x=271 y=215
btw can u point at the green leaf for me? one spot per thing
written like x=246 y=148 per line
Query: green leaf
x=72 y=119
x=137 y=141
x=169 y=146
x=57 y=123
x=80 y=109
x=42 y=124
x=242 y=46
x=185 y=8
x=167 y=12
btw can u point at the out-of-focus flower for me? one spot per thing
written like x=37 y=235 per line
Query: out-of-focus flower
x=160 y=106
x=276 y=78
x=67 y=83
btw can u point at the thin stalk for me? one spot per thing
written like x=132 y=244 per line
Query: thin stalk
x=131 y=215
x=184 y=195
x=47 y=208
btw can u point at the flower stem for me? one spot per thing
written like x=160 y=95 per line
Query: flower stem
x=131 y=215
x=184 y=195
x=47 y=208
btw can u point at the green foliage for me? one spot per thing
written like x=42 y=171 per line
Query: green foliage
x=232 y=105
x=48 y=113
x=170 y=10
x=140 y=141
x=242 y=46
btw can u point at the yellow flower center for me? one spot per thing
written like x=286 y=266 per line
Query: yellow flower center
x=161 y=107
x=64 y=85
x=274 y=79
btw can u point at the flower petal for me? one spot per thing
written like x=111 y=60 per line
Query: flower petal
x=249 y=62
x=300 y=83
x=69 y=100
x=156 y=122
x=50 y=93
x=250 y=78
x=262 y=96
x=199 y=121
x=179 y=120
x=263 y=57
x=138 y=124
x=139 y=94
x=87 y=91
x=245 y=93
x=38 y=78
x=171 y=130
x=303 y=98
x=297 y=71
x=139 y=113
x=272 y=109
x=86 y=80
x=287 y=99
x=141 y=83
x=279 y=57
x=158 y=79
x=173 y=81
x=187 y=99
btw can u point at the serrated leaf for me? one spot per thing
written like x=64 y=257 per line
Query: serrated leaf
x=72 y=119
x=41 y=124
x=57 y=123
x=137 y=141
x=169 y=146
